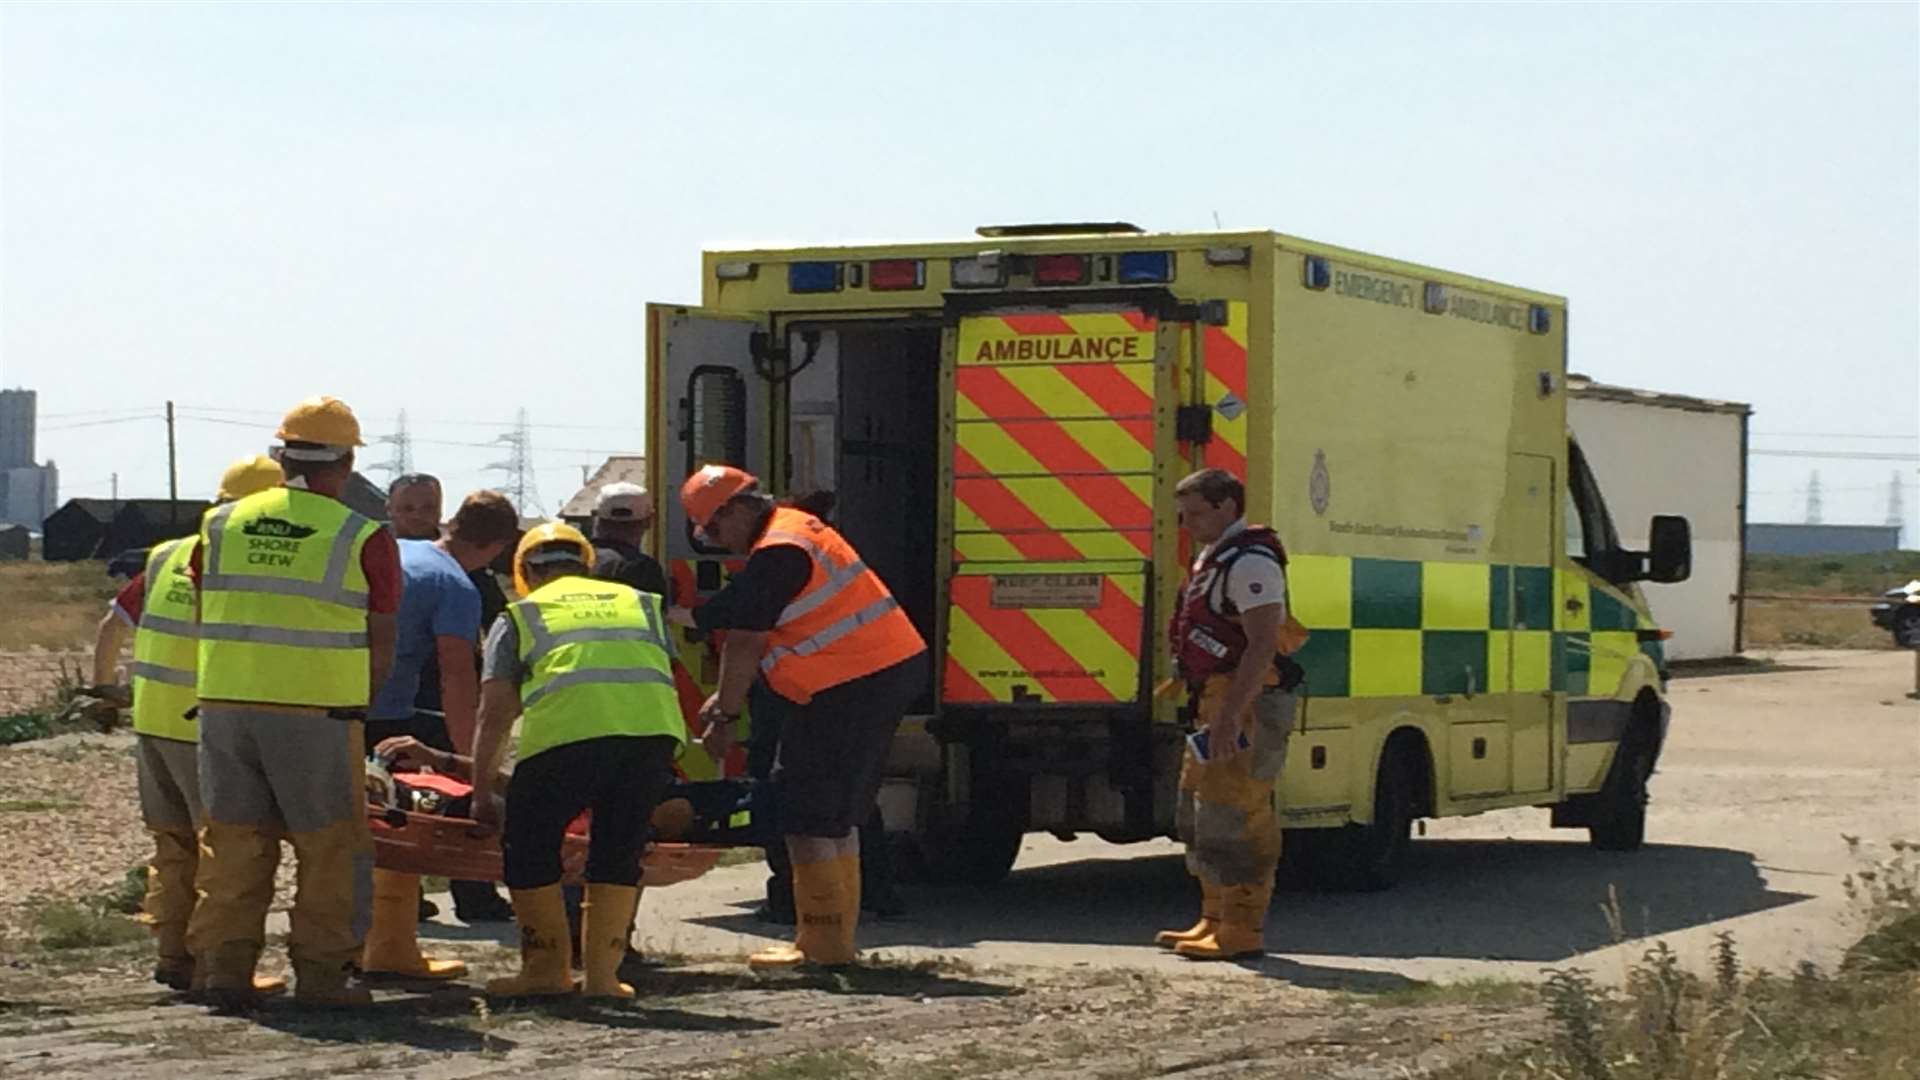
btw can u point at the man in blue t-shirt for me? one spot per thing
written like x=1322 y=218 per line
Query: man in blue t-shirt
x=439 y=620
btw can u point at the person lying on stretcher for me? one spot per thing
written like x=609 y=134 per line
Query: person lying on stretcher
x=694 y=811
x=404 y=774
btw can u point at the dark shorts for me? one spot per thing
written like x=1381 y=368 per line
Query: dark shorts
x=833 y=750
x=620 y=778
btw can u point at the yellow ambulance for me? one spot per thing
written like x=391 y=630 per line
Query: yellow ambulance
x=1003 y=420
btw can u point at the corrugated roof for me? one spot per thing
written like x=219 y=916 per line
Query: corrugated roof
x=630 y=468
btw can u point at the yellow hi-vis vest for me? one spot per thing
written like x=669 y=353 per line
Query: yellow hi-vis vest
x=165 y=654
x=597 y=663
x=283 y=601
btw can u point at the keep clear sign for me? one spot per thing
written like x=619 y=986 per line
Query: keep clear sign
x=1046 y=591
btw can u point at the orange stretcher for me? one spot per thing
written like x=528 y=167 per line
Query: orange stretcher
x=416 y=843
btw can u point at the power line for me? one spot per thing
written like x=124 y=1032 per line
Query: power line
x=1831 y=435
x=427 y=421
x=100 y=423
x=89 y=412
x=1840 y=455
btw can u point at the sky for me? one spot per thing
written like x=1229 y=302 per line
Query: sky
x=460 y=211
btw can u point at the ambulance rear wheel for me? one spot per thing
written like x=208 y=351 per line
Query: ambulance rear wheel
x=979 y=855
x=1370 y=857
x=1624 y=824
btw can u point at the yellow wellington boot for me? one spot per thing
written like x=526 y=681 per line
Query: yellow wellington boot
x=1209 y=918
x=606 y=922
x=323 y=986
x=822 y=933
x=1242 y=929
x=850 y=906
x=264 y=986
x=393 y=942
x=546 y=948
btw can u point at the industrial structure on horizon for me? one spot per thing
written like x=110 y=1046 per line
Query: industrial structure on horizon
x=28 y=490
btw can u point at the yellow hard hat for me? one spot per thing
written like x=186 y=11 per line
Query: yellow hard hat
x=323 y=420
x=547 y=532
x=248 y=476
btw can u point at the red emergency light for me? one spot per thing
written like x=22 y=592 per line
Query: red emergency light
x=1060 y=270
x=893 y=275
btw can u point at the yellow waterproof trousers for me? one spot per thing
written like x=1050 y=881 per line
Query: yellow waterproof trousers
x=1226 y=813
x=169 y=777
x=268 y=773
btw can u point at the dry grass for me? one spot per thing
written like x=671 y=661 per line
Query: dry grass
x=1787 y=624
x=52 y=605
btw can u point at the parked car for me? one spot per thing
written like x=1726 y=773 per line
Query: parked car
x=128 y=563
x=1899 y=614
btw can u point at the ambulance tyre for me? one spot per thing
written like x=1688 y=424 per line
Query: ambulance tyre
x=1623 y=824
x=980 y=855
x=1371 y=857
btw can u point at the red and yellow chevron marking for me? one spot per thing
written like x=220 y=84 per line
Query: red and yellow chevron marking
x=1044 y=654
x=1226 y=357
x=1053 y=445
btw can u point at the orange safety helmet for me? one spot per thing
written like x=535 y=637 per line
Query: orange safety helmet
x=547 y=532
x=709 y=489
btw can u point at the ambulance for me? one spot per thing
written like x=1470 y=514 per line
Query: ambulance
x=1003 y=420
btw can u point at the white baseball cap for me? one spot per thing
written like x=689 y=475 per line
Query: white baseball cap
x=623 y=501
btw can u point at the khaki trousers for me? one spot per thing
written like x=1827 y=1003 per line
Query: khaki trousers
x=268 y=773
x=1226 y=814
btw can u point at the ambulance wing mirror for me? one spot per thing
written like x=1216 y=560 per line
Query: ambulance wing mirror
x=1670 y=551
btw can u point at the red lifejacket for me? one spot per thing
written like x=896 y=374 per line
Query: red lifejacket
x=1205 y=633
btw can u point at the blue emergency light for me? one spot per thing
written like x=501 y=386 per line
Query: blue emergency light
x=1317 y=273
x=1146 y=267
x=813 y=277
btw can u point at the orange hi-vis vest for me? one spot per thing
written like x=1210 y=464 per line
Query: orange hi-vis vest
x=842 y=625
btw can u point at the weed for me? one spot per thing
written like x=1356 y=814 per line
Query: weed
x=69 y=925
x=128 y=897
x=37 y=806
x=1577 y=1008
x=1726 y=964
x=1885 y=899
x=1481 y=992
x=24 y=727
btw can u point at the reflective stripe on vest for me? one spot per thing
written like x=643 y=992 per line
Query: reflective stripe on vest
x=844 y=624
x=165 y=654
x=597 y=664
x=283 y=601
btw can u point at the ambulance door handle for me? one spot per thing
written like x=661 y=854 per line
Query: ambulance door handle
x=1574 y=605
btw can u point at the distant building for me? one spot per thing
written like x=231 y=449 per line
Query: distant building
x=16 y=543
x=1797 y=539
x=28 y=491
x=103 y=528
x=1632 y=438
x=18 y=412
x=629 y=468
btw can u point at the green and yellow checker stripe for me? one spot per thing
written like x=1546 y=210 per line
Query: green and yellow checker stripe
x=1403 y=628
